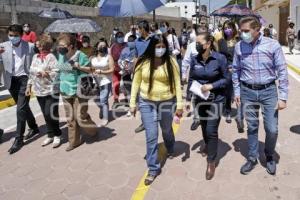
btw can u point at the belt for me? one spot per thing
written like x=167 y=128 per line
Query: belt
x=258 y=87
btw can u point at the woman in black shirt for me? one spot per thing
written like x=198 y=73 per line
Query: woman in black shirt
x=226 y=47
x=209 y=68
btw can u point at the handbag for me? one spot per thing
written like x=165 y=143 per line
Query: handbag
x=89 y=87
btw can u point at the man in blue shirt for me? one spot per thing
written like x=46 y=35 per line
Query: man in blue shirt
x=258 y=62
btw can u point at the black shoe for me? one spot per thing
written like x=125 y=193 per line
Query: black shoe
x=240 y=126
x=31 y=134
x=271 y=166
x=17 y=145
x=228 y=119
x=1 y=134
x=195 y=125
x=248 y=167
x=140 y=128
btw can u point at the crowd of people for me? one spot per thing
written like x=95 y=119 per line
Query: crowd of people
x=150 y=65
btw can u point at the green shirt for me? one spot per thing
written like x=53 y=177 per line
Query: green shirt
x=69 y=77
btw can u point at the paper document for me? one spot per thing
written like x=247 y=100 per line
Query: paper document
x=196 y=88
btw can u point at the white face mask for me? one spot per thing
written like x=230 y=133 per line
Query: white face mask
x=85 y=45
x=159 y=52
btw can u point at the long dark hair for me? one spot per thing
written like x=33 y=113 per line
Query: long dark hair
x=95 y=51
x=149 y=55
x=231 y=25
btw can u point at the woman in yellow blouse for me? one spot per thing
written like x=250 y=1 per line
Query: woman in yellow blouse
x=156 y=84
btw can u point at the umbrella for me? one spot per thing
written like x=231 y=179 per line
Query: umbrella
x=73 y=25
x=55 y=13
x=234 y=11
x=128 y=8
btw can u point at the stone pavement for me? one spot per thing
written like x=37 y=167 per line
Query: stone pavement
x=111 y=165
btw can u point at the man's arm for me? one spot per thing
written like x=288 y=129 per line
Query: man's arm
x=236 y=72
x=282 y=72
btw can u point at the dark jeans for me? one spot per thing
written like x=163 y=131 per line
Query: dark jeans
x=49 y=107
x=210 y=116
x=229 y=93
x=127 y=82
x=24 y=113
x=252 y=101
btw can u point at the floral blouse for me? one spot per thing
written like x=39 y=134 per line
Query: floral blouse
x=47 y=85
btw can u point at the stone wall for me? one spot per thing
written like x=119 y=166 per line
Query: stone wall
x=27 y=13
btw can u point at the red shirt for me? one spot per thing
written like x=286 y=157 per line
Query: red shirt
x=29 y=37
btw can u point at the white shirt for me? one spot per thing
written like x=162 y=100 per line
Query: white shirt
x=102 y=64
x=173 y=44
x=190 y=52
x=18 y=64
x=127 y=36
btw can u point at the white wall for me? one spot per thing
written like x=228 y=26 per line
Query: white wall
x=168 y=11
x=295 y=13
x=190 y=8
x=271 y=15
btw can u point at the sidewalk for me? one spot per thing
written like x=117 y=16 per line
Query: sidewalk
x=292 y=60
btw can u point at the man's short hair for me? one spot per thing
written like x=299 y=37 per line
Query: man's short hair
x=15 y=28
x=254 y=22
x=144 y=24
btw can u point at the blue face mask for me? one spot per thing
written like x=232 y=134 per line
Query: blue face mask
x=131 y=45
x=247 y=37
x=120 y=40
x=163 y=29
x=14 y=40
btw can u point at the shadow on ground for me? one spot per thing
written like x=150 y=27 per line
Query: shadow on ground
x=241 y=145
x=295 y=129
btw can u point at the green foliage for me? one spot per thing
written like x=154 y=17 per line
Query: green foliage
x=89 y=3
x=240 y=2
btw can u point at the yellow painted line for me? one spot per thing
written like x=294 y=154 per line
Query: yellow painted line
x=7 y=103
x=295 y=69
x=141 y=190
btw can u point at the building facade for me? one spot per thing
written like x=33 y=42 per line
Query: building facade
x=188 y=9
x=279 y=13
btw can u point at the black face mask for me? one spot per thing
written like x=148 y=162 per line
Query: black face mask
x=63 y=50
x=102 y=50
x=199 y=48
x=36 y=50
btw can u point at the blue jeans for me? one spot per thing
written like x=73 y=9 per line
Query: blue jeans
x=102 y=102
x=252 y=101
x=153 y=113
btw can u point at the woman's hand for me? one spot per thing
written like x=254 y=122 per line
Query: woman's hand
x=179 y=112
x=42 y=74
x=207 y=87
x=133 y=111
x=28 y=91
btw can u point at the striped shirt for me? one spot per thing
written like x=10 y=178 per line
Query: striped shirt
x=260 y=63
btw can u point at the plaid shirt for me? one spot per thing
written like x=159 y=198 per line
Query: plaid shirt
x=260 y=64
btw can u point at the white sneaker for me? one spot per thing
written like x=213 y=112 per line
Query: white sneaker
x=104 y=122
x=128 y=114
x=47 y=141
x=56 y=141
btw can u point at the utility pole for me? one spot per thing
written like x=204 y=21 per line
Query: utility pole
x=14 y=16
x=199 y=11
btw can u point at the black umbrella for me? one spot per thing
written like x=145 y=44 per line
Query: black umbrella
x=55 y=13
x=74 y=25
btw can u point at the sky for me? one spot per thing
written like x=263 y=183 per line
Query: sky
x=214 y=4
